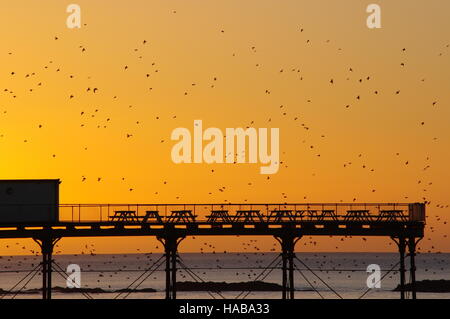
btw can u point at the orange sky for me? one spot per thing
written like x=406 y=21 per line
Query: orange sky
x=261 y=48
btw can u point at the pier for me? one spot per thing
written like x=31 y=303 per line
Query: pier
x=404 y=223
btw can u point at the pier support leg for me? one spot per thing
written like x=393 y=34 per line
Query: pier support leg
x=168 y=279
x=174 y=273
x=46 y=244
x=284 y=276
x=291 y=273
x=287 y=254
x=170 y=250
x=401 y=243
x=412 y=253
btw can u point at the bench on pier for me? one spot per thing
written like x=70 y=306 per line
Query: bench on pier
x=318 y=215
x=124 y=216
x=358 y=215
x=309 y=214
x=328 y=214
x=181 y=216
x=219 y=216
x=152 y=216
x=279 y=215
x=248 y=216
x=394 y=215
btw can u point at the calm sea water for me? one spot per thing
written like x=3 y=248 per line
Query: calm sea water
x=345 y=273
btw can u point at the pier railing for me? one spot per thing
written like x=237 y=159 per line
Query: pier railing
x=224 y=213
x=229 y=213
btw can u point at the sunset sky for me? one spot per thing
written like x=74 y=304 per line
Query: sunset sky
x=378 y=133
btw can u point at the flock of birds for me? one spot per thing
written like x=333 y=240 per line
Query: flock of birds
x=112 y=270
x=99 y=118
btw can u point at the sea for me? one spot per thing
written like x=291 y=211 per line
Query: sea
x=317 y=275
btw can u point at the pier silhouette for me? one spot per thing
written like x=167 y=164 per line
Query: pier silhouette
x=170 y=223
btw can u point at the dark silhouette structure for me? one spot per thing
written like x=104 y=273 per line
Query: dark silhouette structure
x=171 y=223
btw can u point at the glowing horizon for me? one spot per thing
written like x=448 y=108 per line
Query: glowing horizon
x=362 y=113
